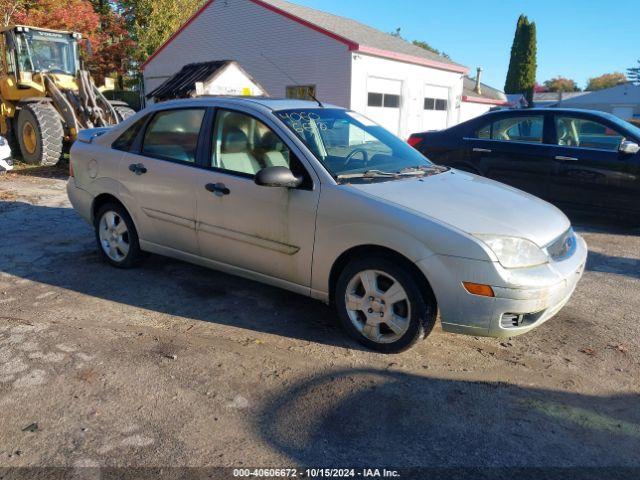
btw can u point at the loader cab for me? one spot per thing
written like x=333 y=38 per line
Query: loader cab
x=30 y=51
x=46 y=95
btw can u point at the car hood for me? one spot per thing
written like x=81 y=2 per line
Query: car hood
x=475 y=205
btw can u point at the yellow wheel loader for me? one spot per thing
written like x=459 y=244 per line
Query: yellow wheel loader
x=46 y=96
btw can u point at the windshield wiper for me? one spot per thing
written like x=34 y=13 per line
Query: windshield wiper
x=381 y=174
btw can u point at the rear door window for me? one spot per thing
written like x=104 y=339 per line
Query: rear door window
x=580 y=132
x=484 y=133
x=173 y=135
x=528 y=129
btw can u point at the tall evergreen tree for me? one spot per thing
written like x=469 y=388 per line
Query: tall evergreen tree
x=521 y=76
x=511 y=84
x=633 y=74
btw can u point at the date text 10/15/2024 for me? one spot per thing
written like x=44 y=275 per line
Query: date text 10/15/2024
x=315 y=473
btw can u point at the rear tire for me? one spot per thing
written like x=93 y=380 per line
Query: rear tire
x=40 y=134
x=117 y=236
x=124 y=112
x=381 y=304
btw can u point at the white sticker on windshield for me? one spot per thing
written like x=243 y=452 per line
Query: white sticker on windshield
x=362 y=119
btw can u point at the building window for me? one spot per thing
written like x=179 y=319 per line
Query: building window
x=301 y=92
x=375 y=99
x=387 y=100
x=435 y=104
x=392 y=101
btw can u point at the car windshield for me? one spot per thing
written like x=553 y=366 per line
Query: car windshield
x=629 y=127
x=40 y=51
x=352 y=147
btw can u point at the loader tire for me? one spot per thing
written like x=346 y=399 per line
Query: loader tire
x=40 y=134
x=124 y=112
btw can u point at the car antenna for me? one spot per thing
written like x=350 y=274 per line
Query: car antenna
x=292 y=79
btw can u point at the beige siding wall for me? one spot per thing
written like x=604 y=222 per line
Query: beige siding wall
x=258 y=38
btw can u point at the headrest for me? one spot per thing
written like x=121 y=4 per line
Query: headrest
x=234 y=140
x=270 y=142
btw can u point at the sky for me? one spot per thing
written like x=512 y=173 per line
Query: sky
x=576 y=39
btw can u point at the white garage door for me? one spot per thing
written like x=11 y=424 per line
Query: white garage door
x=436 y=107
x=384 y=102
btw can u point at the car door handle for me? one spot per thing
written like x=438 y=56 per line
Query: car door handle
x=138 y=168
x=482 y=150
x=566 y=159
x=219 y=189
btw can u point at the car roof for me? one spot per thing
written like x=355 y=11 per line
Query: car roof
x=268 y=102
x=516 y=111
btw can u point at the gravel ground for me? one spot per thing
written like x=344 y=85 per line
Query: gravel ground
x=175 y=365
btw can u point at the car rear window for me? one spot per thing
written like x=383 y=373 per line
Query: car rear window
x=124 y=141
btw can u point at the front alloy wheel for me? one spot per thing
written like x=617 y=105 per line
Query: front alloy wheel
x=378 y=306
x=384 y=304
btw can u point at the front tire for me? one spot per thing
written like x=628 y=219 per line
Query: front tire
x=40 y=134
x=381 y=305
x=117 y=237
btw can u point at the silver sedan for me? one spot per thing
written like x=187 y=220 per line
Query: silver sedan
x=321 y=201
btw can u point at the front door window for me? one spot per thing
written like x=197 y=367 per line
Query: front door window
x=580 y=132
x=243 y=144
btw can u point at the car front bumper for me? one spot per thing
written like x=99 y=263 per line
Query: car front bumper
x=530 y=295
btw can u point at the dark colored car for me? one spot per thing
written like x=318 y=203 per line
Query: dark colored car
x=580 y=160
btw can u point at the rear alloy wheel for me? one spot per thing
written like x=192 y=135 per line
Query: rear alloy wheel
x=381 y=306
x=40 y=134
x=117 y=237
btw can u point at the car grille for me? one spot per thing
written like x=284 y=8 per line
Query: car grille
x=563 y=246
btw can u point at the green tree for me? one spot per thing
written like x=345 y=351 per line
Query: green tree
x=152 y=22
x=607 y=80
x=419 y=43
x=561 y=84
x=633 y=74
x=426 y=46
x=521 y=76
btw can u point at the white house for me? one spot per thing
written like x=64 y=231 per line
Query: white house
x=292 y=50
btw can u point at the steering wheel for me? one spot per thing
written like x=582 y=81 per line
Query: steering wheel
x=365 y=156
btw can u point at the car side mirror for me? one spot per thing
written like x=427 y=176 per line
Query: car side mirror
x=277 y=177
x=629 y=148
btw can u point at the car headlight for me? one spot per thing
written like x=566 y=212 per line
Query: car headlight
x=514 y=252
x=3 y=141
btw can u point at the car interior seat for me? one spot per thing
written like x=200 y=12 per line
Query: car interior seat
x=234 y=153
x=566 y=135
x=274 y=153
